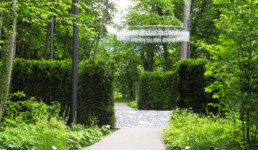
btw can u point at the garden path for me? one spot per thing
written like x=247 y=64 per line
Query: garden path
x=139 y=130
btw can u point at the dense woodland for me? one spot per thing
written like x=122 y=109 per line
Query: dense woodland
x=223 y=32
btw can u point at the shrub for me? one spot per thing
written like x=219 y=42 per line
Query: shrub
x=28 y=111
x=201 y=133
x=157 y=90
x=46 y=130
x=191 y=86
x=51 y=80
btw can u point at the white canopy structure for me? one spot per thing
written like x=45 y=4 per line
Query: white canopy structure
x=153 y=34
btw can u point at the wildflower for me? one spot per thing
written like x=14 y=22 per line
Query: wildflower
x=32 y=98
x=53 y=147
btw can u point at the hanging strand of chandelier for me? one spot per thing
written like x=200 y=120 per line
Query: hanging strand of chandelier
x=153 y=34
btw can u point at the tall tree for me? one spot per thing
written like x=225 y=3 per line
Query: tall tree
x=104 y=15
x=235 y=66
x=156 y=12
x=11 y=50
x=186 y=21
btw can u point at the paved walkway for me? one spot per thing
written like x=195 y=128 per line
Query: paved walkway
x=139 y=130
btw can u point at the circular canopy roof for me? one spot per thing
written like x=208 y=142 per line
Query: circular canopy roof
x=153 y=34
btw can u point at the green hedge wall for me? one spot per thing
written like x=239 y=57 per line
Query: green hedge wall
x=96 y=93
x=157 y=90
x=191 y=86
x=51 y=81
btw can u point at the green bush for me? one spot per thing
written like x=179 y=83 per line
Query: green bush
x=50 y=81
x=157 y=90
x=95 y=93
x=28 y=111
x=191 y=86
x=43 y=129
x=202 y=133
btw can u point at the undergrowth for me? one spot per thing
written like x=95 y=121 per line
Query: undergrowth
x=32 y=125
x=202 y=133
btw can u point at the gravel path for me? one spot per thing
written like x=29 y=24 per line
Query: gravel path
x=129 y=118
x=141 y=130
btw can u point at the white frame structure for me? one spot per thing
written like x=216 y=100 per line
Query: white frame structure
x=153 y=34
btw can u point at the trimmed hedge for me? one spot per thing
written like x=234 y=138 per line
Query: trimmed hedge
x=51 y=81
x=96 y=93
x=192 y=83
x=157 y=90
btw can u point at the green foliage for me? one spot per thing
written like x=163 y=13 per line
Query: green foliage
x=157 y=90
x=44 y=129
x=125 y=78
x=191 y=86
x=28 y=111
x=152 y=13
x=3 y=69
x=133 y=104
x=96 y=93
x=235 y=64
x=51 y=80
x=202 y=133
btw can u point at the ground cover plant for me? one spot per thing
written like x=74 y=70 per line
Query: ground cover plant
x=32 y=124
x=202 y=133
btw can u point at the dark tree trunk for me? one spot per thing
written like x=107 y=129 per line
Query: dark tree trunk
x=148 y=58
x=131 y=91
x=24 y=50
x=47 y=39
x=30 y=39
x=166 y=56
x=35 y=53
x=65 y=42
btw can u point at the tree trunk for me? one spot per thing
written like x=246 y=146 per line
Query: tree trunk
x=65 y=42
x=35 y=53
x=52 y=40
x=187 y=7
x=47 y=39
x=101 y=28
x=30 y=39
x=150 y=57
x=11 y=50
x=166 y=56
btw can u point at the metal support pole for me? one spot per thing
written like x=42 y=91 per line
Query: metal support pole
x=75 y=63
x=52 y=40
